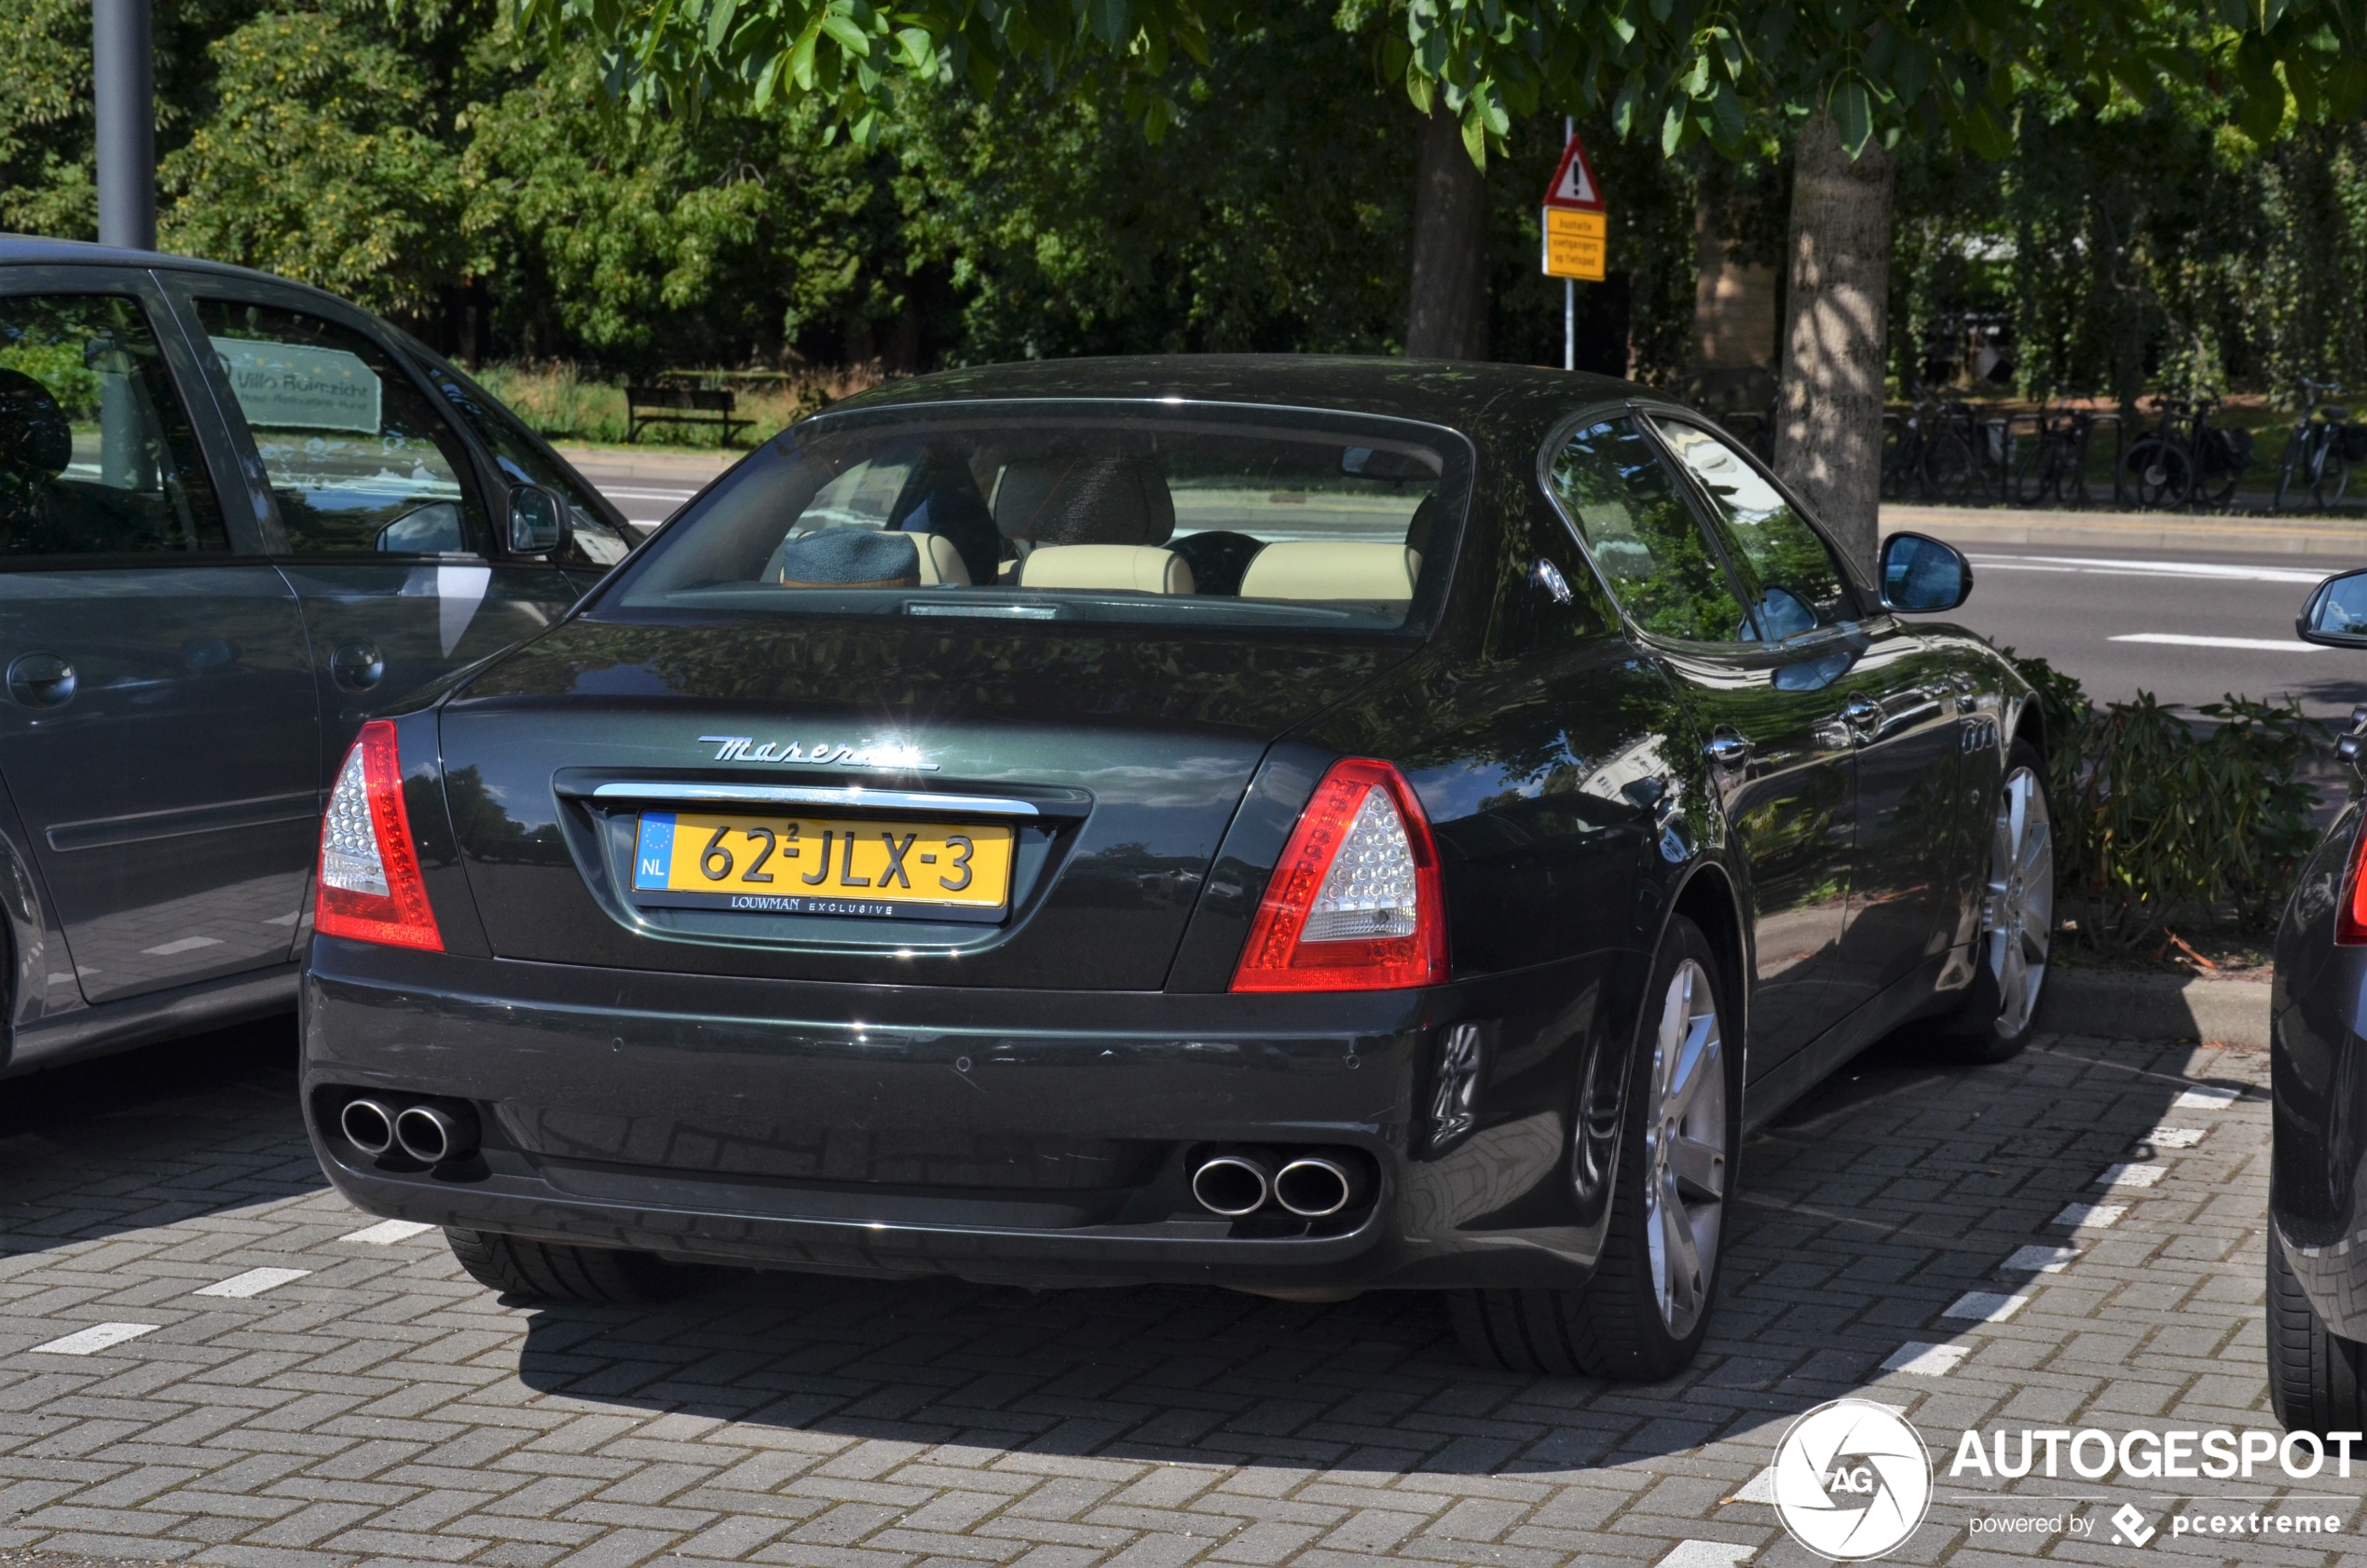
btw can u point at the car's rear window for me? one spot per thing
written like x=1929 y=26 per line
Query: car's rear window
x=1151 y=513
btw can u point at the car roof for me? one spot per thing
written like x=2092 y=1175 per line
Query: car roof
x=29 y=250
x=1450 y=392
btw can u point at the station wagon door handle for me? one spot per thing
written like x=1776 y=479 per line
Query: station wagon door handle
x=357 y=666
x=41 y=680
x=1727 y=750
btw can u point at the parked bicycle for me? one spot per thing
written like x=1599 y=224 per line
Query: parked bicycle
x=2050 y=461
x=2184 y=459
x=2321 y=449
x=1943 y=452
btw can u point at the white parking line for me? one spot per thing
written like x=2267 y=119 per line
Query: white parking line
x=2132 y=1175
x=388 y=1231
x=181 y=945
x=2254 y=644
x=2173 y=1138
x=2207 y=1097
x=2040 y=1260
x=1706 y=1554
x=1923 y=1359
x=1986 y=1306
x=2091 y=565
x=98 y=1337
x=1760 y=1488
x=2089 y=1215
x=254 y=1282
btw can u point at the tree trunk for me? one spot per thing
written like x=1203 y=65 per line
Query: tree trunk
x=1446 y=306
x=1828 y=436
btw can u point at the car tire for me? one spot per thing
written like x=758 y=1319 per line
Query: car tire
x=1642 y=1316
x=2314 y=1375
x=2010 y=950
x=544 y=1271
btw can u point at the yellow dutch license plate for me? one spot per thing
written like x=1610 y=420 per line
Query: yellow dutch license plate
x=815 y=865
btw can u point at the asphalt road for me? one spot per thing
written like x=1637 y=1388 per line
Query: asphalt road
x=2186 y=625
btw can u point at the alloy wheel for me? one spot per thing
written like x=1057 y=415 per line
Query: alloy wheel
x=2018 y=909
x=1685 y=1148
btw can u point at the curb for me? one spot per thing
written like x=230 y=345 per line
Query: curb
x=2122 y=530
x=2156 y=1007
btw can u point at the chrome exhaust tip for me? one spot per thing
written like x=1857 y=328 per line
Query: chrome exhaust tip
x=1231 y=1185
x=1313 y=1187
x=367 y=1125
x=432 y=1135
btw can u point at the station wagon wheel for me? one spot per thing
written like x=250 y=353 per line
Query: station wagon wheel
x=1645 y=1312
x=2017 y=927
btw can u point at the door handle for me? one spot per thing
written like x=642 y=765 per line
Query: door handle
x=1862 y=712
x=41 y=680
x=357 y=666
x=1727 y=750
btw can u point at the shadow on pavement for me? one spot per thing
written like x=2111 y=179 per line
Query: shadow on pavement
x=1865 y=1211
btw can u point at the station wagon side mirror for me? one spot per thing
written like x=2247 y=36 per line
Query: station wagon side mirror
x=2337 y=614
x=1922 y=575
x=539 y=523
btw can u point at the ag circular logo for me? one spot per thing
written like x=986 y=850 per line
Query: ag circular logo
x=1853 y=1480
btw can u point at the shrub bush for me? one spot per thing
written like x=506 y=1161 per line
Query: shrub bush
x=2160 y=821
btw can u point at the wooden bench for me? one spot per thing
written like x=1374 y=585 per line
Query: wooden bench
x=679 y=405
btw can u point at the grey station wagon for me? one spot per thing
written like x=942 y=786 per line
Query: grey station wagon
x=236 y=516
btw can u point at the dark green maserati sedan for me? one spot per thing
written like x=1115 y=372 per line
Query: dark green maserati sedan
x=1298 y=824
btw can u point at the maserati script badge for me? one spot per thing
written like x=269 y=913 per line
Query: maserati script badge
x=891 y=755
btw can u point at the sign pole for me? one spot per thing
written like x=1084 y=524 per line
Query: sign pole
x=1569 y=285
x=123 y=88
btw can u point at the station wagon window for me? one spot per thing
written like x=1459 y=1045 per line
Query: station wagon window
x=97 y=456
x=593 y=540
x=359 y=460
x=1093 y=512
x=1611 y=483
x=1799 y=585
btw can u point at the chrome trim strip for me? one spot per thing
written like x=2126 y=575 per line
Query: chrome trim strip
x=853 y=798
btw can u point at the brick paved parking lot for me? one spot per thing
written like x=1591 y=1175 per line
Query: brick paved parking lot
x=206 y=1357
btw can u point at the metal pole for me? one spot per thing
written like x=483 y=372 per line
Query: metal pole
x=123 y=85
x=1569 y=285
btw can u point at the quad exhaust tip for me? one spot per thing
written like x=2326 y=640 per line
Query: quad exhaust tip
x=368 y=1125
x=1313 y=1187
x=432 y=1136
x=1232 y=1185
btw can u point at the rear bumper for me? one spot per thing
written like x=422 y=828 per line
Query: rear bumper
x=1015 y=1136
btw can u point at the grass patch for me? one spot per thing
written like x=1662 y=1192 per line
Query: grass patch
x=570 y=403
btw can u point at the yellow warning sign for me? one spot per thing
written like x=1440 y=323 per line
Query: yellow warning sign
x=1576 y=243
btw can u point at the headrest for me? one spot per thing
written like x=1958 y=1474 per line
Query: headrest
x=845 y=558
x=1311 y=569
x=940 y=565
x=36 y=440
x=1417 y=527
x=1129 y=568
x=1083 y=501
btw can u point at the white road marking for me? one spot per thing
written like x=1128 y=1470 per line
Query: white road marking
x=1922 y=1359
x=288 y=919
x=2173 y=1138
x=618 y=492
x=2205 y=1097
x=2040 y=1260
x=2253 y=645
x=181 y=945
x=386 y=1233
x=1706 y=1554
x=98 y=1337
x=2106 y=566
x=2089 y=1215
x=1760 y=1488
x=1986 y=1306
x=2132 y=1175
x=254 y=1282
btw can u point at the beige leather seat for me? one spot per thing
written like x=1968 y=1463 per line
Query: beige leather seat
x=940 y=562
x=1133 y=569
x=1314 y=569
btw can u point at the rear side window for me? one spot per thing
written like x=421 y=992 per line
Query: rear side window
x=1799 y=585
x=1100 y=511
x=97 y=457
x=1643 y=535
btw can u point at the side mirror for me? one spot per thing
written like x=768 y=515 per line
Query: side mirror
x=539 y=522
x=2337 y=614
x=1922 y=575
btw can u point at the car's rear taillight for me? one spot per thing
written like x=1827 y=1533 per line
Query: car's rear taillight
x=370 y=888
x=2350 y=915
x=1354 y=905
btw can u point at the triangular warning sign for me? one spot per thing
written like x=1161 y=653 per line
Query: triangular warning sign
x=1574 y=183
